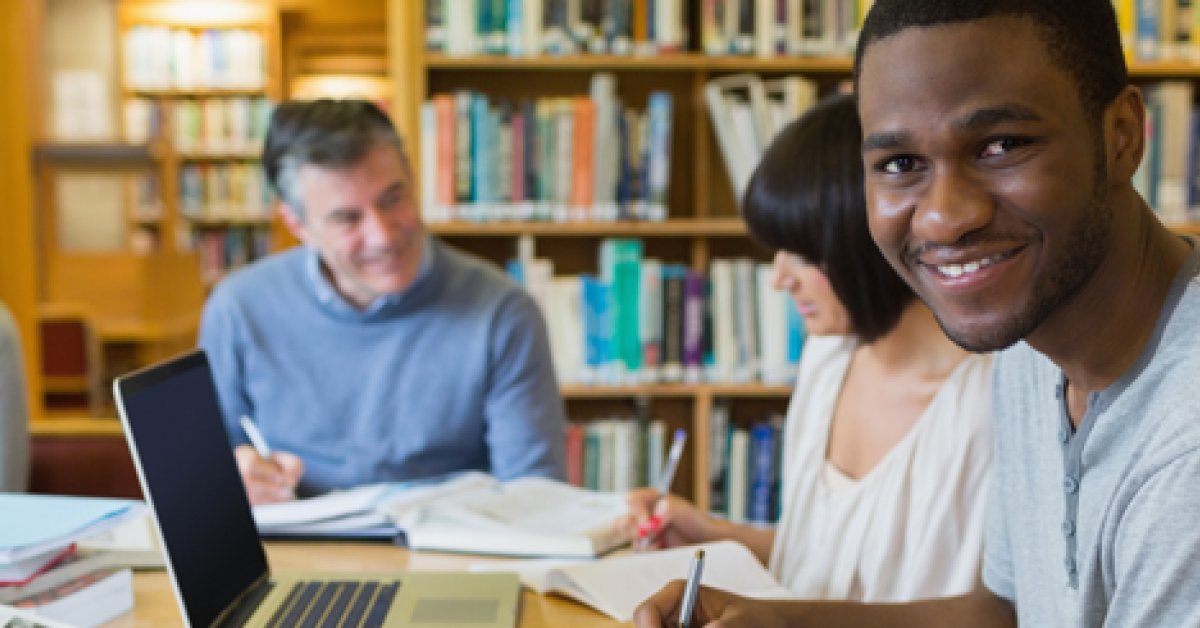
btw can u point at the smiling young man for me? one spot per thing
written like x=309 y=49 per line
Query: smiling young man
x=1000 y=142
x=374 y=352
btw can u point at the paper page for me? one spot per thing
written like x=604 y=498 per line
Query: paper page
x=535 y=505
x=17 y=618
x=328 y=506
x=360 y=522
x=617 y=585
x=533 y=572
x=400 y=504
x=31 y=524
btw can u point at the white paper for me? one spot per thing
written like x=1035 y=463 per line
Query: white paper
x=16 y=618
x=616 y=585
x=328 y=506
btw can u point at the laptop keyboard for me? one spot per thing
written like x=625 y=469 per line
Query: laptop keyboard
x=330 y=604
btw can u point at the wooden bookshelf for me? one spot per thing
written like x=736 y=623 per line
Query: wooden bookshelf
x=716 y=227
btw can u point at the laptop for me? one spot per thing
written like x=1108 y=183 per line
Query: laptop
x=214 y=556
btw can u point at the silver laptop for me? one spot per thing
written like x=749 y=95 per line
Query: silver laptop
x=215 y=558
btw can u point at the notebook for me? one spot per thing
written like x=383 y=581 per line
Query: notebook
x=214 y=557
x=616 y=586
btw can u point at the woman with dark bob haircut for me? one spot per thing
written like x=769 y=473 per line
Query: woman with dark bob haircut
x=887 y=446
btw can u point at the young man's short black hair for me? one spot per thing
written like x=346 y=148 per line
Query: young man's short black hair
x=327 y=133
x=806 y=197
x=1081 y=36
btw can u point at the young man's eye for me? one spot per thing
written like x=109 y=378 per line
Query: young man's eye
x=1001 y=146
x=898 y=165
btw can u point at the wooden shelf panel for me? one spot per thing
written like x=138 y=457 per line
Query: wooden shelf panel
x=696 y=61
x=731 y=227
x=73 y=427
x=676 y=390
x=198 y=93
x=683 y=61
x=96 y=153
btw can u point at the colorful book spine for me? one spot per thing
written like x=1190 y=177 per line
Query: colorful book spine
x=764 y=475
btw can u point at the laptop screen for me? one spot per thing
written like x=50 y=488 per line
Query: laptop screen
x=173 y=421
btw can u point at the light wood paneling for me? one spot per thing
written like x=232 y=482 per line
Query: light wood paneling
x=18 y=254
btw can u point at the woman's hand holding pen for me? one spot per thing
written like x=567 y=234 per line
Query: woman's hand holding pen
x=668 y=521
x=268 y=480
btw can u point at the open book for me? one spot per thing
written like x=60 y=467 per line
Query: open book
x=472 y=513
x=616 y=585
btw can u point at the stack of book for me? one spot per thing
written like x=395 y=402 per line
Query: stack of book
x=556 y=27
x=642 y=321
x=550 y=159
x=211 y=126
x=40 y=569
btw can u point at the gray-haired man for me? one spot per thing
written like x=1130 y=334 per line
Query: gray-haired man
x=374 y=352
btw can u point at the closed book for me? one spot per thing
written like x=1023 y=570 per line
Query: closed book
x=620 y=267
x=583 y=157
x=739 y=475
x=672 y=315
x=718 y=460
x=597 y=327
x=86 y=601
x=746 y=317
x=21 y=572
x=562 y=159
x=575 y=454
x=444 y=106
x=656 y=450
x=650 y=318
x=463 y=105
x=626 y=446
x=1148 y=29
x=592 y=443
x=565 y=321
x=429 y=162
x=435 y=25
x=764 y=474
x=724 y=321
x=659 y=168
x=695 y=322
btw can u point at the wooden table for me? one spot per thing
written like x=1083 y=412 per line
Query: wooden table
x=155 y=601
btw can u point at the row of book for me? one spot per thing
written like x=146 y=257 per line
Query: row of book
x=161 y=58
x=748 y=111
x=765 y=28
x=616 y=455
x=201 y=126
x=642 y=321
x=745 y=467
x=224 y=249
x=1169 y=175
x=1159 y=30
x=558 y=159
x=556 y=27
x=745 y=462
x=224 y=191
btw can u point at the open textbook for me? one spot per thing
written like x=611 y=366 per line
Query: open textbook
x=616 y=585
x=472 y=512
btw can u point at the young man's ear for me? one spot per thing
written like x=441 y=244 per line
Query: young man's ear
x=293 y=221
x=1125 y=135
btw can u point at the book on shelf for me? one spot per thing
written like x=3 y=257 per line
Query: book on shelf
x=1168 y=177
x=585 y=158
x=643 y=321
x=165 y=58
x=615 y=455
x=745 y=468
x=747 y=113
x=556 y=27
x=616 y=585
x=208 y=126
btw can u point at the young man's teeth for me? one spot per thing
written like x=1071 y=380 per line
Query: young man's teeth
x=958 y=270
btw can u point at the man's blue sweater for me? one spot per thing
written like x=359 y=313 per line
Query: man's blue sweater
x=452 y=374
